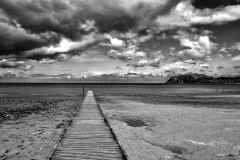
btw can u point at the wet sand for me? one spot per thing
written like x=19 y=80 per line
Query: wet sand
x=185 y=126
x=30 y=125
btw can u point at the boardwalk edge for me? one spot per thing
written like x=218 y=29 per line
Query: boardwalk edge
x=114 y=134
x=49 y=157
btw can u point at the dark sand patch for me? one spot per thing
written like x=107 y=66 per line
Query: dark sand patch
x=134 y=122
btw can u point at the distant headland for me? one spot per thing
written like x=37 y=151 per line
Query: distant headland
x=201 y=78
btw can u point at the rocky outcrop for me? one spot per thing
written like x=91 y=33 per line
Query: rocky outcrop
x=201 y=78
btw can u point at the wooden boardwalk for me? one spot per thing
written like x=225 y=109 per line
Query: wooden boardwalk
x=88 y=137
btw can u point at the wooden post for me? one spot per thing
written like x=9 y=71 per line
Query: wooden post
x=83 y=84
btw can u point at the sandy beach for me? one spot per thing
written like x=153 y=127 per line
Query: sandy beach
x=175 y=126
x=30 y=125
x=152 y=126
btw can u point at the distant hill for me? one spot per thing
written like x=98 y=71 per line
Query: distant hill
x=201 y=78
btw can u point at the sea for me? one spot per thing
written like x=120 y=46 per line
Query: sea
x=73 y=88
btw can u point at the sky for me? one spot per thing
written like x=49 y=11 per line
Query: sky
x=118 y=40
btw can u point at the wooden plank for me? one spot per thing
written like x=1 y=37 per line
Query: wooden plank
x=88 y=137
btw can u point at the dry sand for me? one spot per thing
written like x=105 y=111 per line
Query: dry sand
x=180 y=126
x=30 y=126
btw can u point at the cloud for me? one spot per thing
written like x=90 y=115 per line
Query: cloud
x=147 y=11
x=22 y=65
x=223 y=50
x=128 y=54
x=47 y=61
x=185 y=15
x=184 y=70
x=9 y=74
x=186 y=65
x=14 y=40
x=204 y=4
x=70 y=17
x=65 y=50
x=144 y=62
x=220 y=67
x=124 y=46
x=114 y=42
x=220 y=55
x=141 y=39
x=190 y=61
x=49 y=30
x=235 y=47
x=199 y=44
x=170 y=71
x=236 y=58
x=236 y=67
x=176 y=65
x=53 y=76
x=202 y=65
x=45 y=16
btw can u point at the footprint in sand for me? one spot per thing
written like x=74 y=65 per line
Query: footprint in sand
x=7 y=150
x=19 y=146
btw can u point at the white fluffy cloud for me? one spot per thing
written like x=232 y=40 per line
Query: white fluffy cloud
x=65 y=50
x=202 y=65
x=185 y=15
x=199 y=45
x=175 y=65
x=128 y=54
x=236 y=46
x=114 y=42
x=236 y=58
x=149 y=62
x=47 y=61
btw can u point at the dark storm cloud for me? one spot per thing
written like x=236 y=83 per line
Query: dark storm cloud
x=153 y=12
x=220 y=67
x=236 y=67
x=43 y=16
x=170 y=71
x=203 y=4
x=155 y=64
x=65 y=17
x=123 y=15
x=13 y=64
x=60 y=56
x=13 y=41
x=27 y=25
x=165 y=9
